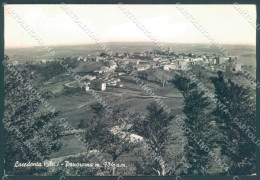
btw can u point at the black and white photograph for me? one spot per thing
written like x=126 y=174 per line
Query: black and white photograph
x=130 y=90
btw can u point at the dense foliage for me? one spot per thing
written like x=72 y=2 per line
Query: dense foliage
x=31 y=135
x=221 y=125
x=238 y=116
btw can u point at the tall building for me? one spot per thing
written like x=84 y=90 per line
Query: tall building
x=169 y=50
x=98 y=85
x=217 y=59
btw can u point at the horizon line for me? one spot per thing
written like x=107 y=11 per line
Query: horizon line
x=108 y=42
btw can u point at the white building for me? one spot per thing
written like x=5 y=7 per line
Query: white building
x=132 y=61
x=168 y=67
x=98 y=85
x=143 y=67
x=80 y=58
x=89 y=77
x=156 y=58
x=112 y=65
x=104 y=69
x=87 y=88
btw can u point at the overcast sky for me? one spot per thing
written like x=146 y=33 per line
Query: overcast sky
x=109 y=23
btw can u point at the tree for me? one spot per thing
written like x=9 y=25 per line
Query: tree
x=154 y=129
x=105 y=134
x=98 y=109
x=237 y=104
x=196 y=108
x=38 y=129
x=51 y=69
x=181 y=83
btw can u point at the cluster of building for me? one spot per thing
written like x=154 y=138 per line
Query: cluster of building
x=109 y=69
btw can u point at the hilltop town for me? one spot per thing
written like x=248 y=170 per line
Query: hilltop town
x=104 y=71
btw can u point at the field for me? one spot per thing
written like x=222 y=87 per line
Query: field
x=75 y=107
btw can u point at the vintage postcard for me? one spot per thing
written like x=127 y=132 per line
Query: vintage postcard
x=130 y=90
